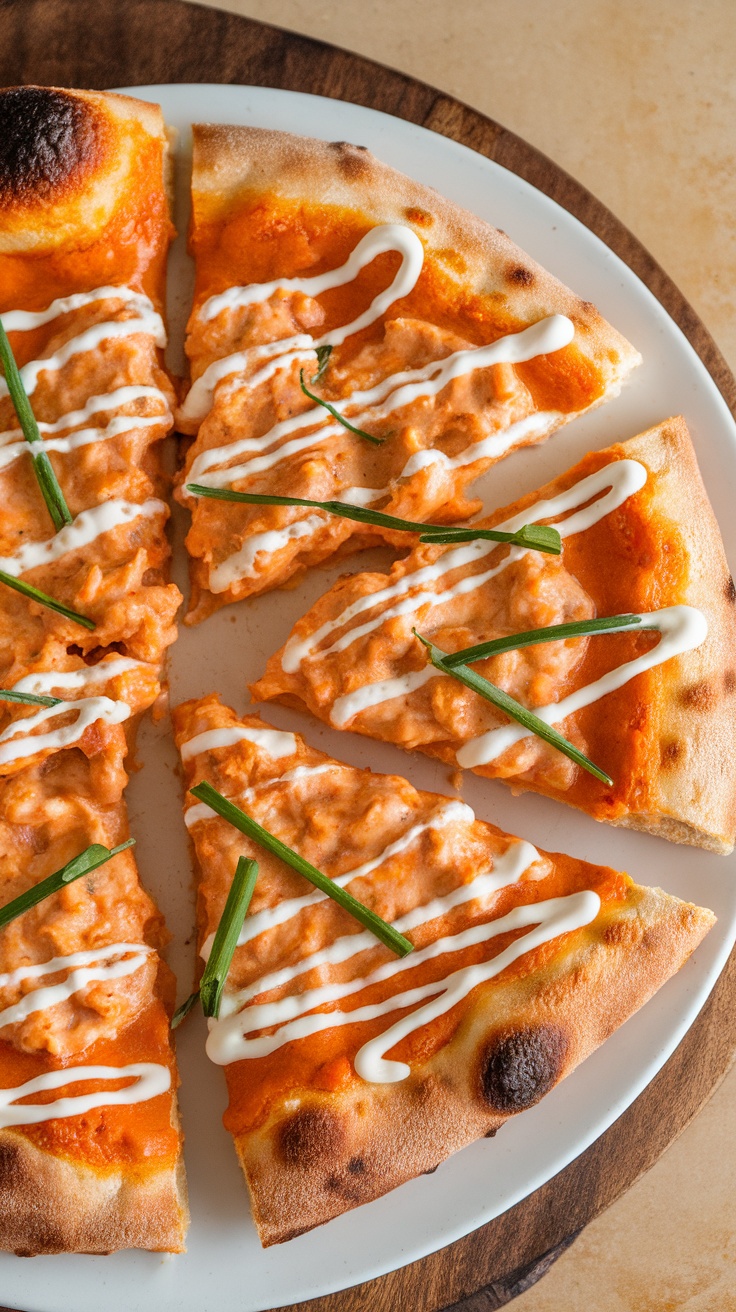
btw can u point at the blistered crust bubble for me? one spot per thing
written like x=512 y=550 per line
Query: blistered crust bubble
x=48 y=139
x=517 y=1069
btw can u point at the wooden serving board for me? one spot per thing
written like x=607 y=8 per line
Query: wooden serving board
x=104 y=43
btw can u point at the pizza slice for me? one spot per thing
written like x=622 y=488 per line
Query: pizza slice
x=351 y=1070
x=84 y=235
x=90 y=1145
x=653 y=705
x=323 y=276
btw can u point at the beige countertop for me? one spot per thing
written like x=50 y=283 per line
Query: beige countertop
x=637 y=100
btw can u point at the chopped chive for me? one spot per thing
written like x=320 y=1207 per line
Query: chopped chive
x=28 y=590
x=226 y=935
x=92 y=857
x=360 y=432
x=392 y=939
x=538 y=537
x=514 y=710
x=323 y=354
x=28 y=698
x=183 y=1011
x=42 y=467
x=535 y=536
x=553 y=633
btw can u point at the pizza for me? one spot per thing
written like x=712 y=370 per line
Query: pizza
x=88 y=1115
x=350 y=1070
x=322 y=275
x=655 y=709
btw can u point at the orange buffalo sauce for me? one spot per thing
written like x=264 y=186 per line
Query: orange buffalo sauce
x=140 y=1136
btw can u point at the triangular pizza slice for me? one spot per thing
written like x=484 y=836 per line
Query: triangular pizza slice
x=424 y=327
x=349 y=1069
x=653 y=707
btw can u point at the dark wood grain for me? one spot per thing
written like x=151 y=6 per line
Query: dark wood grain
x=102 y=43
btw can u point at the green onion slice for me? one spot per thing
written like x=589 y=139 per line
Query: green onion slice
x=28 y=590
x=538 y=537
x=360 y=432
x=83 y=864
x=323 y=354
x=28 y=698
x=183 y=1011
x=553 y=633
x=42 y=467
x=389 y=936
x=226 y=935
x=514 y=710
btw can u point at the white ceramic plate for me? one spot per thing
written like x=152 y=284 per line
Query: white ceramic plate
x=225 y=1269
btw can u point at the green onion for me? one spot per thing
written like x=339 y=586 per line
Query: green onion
x=223 y=945
x=83 y=864
x=204 y=792
x=226 y=935
x=28 y=698
x=515 y=641
x=510 y=707
x=360 y=432
x=539 y=537
x=323 y=354
x=28 y=590
x=42 y=467
x=535 y=536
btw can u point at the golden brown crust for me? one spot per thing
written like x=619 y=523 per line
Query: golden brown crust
x=694 y=785
x=231 y=161
x=357 y=1147
x=52 y=1205
x=65 y=158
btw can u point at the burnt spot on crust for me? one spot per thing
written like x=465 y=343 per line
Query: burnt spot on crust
x=517 y=1069
x=670 y=753
x=700 y=696
x=310 y=1136
x=353 y=161
x=47 y=138
x=520 y=276
x=729 y=681
x=421 y=218
x=356 y=1166
x=730 y=591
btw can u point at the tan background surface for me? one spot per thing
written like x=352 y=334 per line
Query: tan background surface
x=637 y=99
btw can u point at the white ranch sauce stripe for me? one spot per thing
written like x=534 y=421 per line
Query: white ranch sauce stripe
x=45 y=681
x=242 y=564
x=548 y=920
x=148 y=322
x=272 y=741
x=97 y=405
x=618 y=481
x=117 y=427
x=87 y=526
x=508 y=868
x=23 y=321
x=88 y=967
x=17 y=741
x=149 y=1080
x=262 y=921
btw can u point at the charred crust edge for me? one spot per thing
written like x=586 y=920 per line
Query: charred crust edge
x=48 y=137
x=519 y=1067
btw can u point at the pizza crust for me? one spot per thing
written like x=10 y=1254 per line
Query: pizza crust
x=49 y=1204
